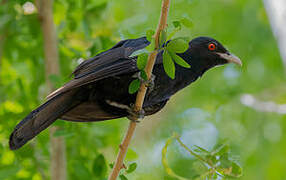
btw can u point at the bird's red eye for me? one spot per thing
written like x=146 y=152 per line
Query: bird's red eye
x=212 y=47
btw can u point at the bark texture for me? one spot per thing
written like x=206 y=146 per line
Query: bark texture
x=58 y=157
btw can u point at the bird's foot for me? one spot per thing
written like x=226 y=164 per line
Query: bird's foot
x=135 y=116
x=150 y=83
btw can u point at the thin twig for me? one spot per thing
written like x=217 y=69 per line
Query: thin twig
x=141 y=93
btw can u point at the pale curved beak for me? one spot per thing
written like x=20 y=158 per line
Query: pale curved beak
x=230 y=58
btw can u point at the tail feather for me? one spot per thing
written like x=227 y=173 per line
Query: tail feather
x=41 y=118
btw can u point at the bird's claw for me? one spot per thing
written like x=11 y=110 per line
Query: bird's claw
x=135 y=115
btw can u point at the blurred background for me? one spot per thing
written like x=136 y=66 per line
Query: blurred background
x=245 y=106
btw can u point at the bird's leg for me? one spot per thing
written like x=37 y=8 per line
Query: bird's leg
x=148 y=83
x=135 y=115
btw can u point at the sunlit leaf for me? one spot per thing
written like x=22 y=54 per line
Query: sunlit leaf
x=131 y=155
x=168 y=64
x=177 y=45
x=163 y=37
x=151 y=46
x=142 y=61
x=187 y=22
x=149 y=34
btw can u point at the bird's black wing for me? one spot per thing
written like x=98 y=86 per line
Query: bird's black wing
x=112 y=62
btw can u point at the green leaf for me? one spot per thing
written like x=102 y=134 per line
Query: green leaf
x=236 y=170
x=187 y=22
x=131 y=167
x=142 y=61
x=177 y=24
x=137 y=53
x=151 y=46
x=168 y=64
x=111 y=165
x=122 y=177
x=224 y=161
x=177 y=45
x=200 y=149
x=212 y=160
x=143 y=75
x=179 y=60
x=134 y=86
x=149 y=34
x=131 y=155
x=99 y=166
x=163 y=37
x=220 y=150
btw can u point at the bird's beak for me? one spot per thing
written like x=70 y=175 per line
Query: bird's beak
x=230 y=58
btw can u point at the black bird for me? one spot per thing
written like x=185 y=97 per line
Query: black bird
x=99 y=89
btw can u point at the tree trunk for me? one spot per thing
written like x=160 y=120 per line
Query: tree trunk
x=276 y=10
x=58 y=158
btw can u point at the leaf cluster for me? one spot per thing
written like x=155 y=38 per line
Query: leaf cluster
x=170 y=49
x=218 y=163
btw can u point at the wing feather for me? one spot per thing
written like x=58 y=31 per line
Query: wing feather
x=115 y=61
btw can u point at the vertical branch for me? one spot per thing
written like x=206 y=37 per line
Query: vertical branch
x=58 y=158
x=141 y=93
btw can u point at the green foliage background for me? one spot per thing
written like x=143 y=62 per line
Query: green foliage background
x=207 y=112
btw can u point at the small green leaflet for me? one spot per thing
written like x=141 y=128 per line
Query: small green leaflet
x=143 y=75
x=177 y=45
x=151 y=46
x=131 y=167
x=163 y=37
x=142 y=61
x=122 y=177
x=134 y=86
x=187 y=23
x=179 y=60
x=149 y=34
x=177 y=24
x=168 y=65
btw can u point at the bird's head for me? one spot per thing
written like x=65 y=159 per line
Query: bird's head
x=206 y=52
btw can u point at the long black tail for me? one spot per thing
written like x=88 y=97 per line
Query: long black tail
x=41 y=118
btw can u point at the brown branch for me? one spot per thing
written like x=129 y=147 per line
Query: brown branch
x=58 y=158
x=141 y=93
